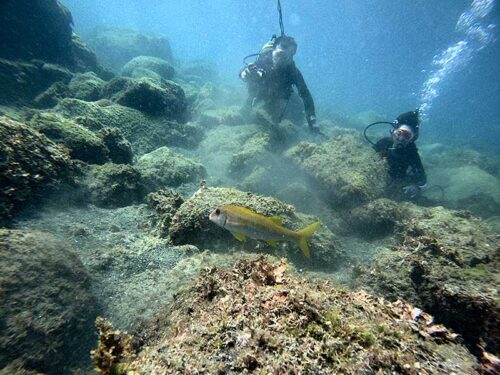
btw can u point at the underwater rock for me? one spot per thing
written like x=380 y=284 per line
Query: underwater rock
x=254 y=152
x=446 y=262
x=258 y=316
x=41 y=30
x=143 y=132
x=22 y=82
x=156 y=98
x=163 y=168
x=466 y=187
x=165 y=203
x=375 y=219
x=120 y=150
x=31 y=165
x=46 y=309
x=50 y=97
x=81 y=143
x=86 y=86
x=115 y=46
x=220 y=116
x=191 y=225
x=114 y=185
x=347 y=170
x=139 y=67
x=198 y=71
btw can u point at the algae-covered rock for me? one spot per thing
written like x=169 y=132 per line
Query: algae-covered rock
x=165 y=203
x=144 y=132
x=140 y=66
x=31 y=165
x=165 y=168
x=82 y=143
x=221 y=116
x=116 y=46
x=157 y=98
x=377 y=218
x=199 y=71
x=259 y=317
x=191 y=225
x=46 y=310
x=85 y=86
x=120 y=150
x=22 y=82
x=254 y=152
x=446 y=262
x=346 y=169
x=114 y=185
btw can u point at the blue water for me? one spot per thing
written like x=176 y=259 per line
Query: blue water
x=385 y=56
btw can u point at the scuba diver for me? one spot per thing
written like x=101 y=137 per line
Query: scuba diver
x=270 y=80
x=401 y=153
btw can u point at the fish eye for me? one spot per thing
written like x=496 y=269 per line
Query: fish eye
x=217 y=212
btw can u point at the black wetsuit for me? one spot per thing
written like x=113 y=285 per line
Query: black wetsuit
x=275 y=87
x=404 y=163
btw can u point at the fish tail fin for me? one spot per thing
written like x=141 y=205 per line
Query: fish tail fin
x=304 y=234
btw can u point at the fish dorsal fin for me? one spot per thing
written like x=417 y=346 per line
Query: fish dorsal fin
x=239 y=236
x=272 y=243
x=276 y=220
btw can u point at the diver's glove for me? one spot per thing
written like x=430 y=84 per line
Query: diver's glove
x=411 y=191
x=313 y=127
x=252 y=72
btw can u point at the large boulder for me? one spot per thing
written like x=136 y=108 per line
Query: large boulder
x=36 y=35
x=164 y=168
x=22 y=82
x=116 y=46
x=446 y=262
x=258 y=316
x=46 y=309
x=347 y=170
x=81 y=143
x=31 y=166
x=191 y=225
x=148 y=66
x=113 y=185
x=145 y=133
x=156 y=98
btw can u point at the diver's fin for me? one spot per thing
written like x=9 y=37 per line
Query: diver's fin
x=304 y=234
x=276 y=220
x=272 y=243
x=239 y=236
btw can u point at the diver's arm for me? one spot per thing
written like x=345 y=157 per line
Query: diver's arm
x=304 y=94
x=420 y=177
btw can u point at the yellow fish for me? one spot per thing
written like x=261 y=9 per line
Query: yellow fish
x=243 y=222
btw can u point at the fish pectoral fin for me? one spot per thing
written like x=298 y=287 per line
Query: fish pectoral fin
x=276 y=220
x=239 y=236
x=272 y=243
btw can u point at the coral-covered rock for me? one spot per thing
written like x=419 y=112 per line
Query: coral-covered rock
x=156 y=98
x=114 y=185
x=141 y=66
x=163 y=168
x=116 y=46
x=191 y=225
x=258 y=317
x=31 y=165
x=448 y=263
x=82 y=143
x=143 y=132
x=120 y=150
x=346 y=169
x=46 y=310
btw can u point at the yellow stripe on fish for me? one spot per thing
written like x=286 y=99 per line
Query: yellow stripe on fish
x=243 y=222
